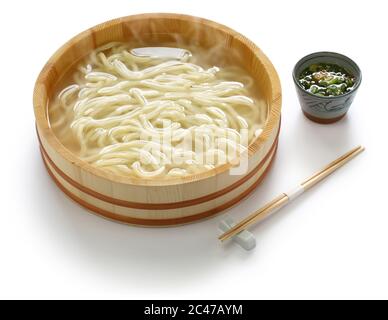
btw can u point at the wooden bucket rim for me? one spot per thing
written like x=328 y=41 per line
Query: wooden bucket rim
x=40 y=103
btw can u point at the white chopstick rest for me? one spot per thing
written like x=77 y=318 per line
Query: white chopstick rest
x=245 y=239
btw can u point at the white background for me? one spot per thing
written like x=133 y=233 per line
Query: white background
x=330 y=243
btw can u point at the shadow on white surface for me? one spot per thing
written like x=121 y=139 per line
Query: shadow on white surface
x=129 y=254
x=315 y=145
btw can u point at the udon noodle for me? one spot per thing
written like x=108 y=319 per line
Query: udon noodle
x=156 y=117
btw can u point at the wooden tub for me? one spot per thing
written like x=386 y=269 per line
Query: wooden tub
x=156 y=202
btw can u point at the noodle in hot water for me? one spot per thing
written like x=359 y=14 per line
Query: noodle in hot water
x=156 y=117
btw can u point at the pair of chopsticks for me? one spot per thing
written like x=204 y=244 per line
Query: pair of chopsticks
x=284 y=198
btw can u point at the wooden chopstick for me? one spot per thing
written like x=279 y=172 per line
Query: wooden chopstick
x=286 y=197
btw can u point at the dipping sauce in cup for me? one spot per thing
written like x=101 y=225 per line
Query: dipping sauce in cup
x=326 y=83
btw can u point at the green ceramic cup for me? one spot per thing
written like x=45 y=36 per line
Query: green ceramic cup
x=326 y=109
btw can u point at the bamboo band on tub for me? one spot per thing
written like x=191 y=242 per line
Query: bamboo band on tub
x=159 y=206
x=165 y=221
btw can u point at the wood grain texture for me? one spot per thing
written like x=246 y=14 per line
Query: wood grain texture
x=175 y=197
x=157 y=218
